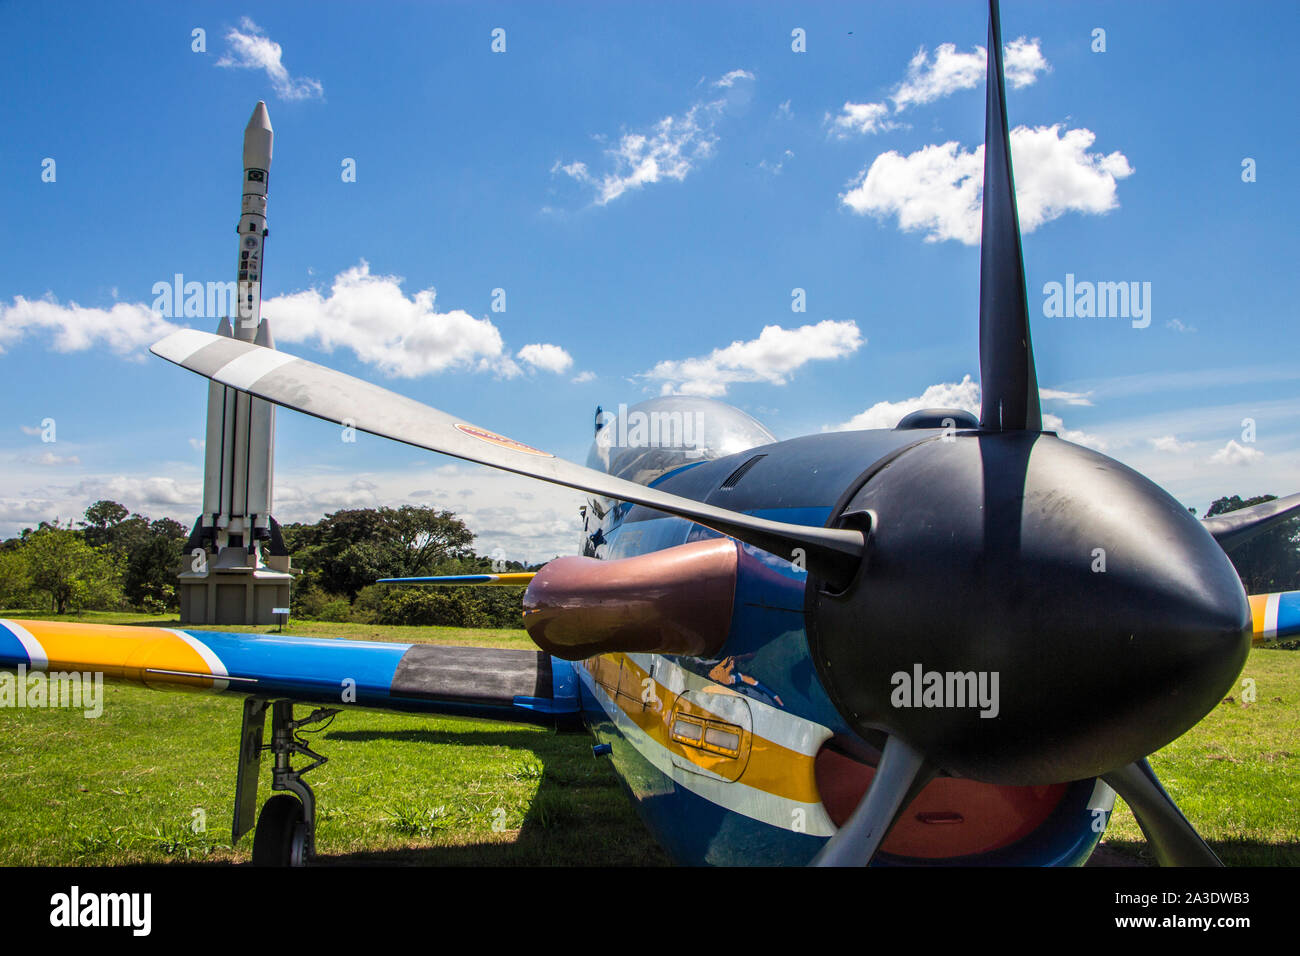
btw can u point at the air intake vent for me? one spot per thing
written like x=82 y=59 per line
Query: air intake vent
x=740 y=472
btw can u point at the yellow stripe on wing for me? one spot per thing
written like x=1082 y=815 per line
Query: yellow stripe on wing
x=514 y=578
x=121 y=652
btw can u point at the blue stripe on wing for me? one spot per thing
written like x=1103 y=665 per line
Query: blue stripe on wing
x=443 y=579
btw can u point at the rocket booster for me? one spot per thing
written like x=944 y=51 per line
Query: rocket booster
x=240 y=447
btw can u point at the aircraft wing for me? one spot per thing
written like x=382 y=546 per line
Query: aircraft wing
x=508 y=579
x=1276 y=616
x=503 y=684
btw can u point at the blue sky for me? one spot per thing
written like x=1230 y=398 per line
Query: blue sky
x=648 y=183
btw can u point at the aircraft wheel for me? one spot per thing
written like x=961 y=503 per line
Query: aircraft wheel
x=281 y=834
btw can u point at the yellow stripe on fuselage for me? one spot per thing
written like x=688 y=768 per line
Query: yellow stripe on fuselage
x=122 y=653
x=772 y=767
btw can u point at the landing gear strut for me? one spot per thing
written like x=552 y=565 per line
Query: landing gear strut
x=286 y=827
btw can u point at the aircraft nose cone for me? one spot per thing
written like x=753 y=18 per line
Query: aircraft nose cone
x=1029 y=611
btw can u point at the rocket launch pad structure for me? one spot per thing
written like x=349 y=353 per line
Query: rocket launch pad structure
x=237 y=569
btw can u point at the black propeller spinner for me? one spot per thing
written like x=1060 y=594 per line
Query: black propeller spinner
x=1027 y=611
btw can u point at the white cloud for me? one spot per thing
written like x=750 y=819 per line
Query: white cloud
x=152 y=492
x=949 y=71
x=50 y=460
x=575 y=169
x=546 y=525
x=252 y=49
x=527 y=519
x=729 y=80
x=1169 y=443
x=929 y=79
x=1070 y=398
x=1179 y=326
x=772 y=357
x=938 y=189
x=548 y=358
x=30 y=429
x=198 y=444
x=860 y=118
x=1022 y=61
x=403 y=337
x=1053 y=423
x=1234 y=454
x=964 y=394
x=776 y=167
x=582 y=377
x=669 y=149
x=784 y=112
x=127 y=329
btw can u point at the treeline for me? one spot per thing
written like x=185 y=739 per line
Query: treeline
x=343 y=554
x=115 y=560
x=110 y=560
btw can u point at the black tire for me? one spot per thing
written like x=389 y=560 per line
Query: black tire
x=278 y=825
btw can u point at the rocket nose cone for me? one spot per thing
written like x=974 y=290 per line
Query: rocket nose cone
x=260 y=118
x=258 y=138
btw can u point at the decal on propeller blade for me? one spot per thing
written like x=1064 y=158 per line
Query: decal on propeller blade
x=482 y=434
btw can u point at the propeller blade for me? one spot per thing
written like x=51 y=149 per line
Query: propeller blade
x=902 y=773
x=1235 y=528
x=1173 y=840
x=1007 y=378
x=830 y=553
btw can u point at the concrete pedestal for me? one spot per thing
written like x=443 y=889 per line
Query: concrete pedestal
x=238 y=594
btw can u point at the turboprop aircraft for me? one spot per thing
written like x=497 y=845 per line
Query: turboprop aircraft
x=887 y=646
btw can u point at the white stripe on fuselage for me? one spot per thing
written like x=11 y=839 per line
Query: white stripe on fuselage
x=737 y=797
x=771 y=723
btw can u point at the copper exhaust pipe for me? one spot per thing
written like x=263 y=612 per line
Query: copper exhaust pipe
x=675 y=601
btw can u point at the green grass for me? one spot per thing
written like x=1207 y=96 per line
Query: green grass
x=124 y=788
x=433 y=790
x=1236 y=775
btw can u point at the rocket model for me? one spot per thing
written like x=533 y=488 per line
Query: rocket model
x=239 y=454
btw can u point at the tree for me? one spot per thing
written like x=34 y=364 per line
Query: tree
x=347 y=550
x=1270 y=561
x=73 y=574
x=149 y=581
x=14 y=580
x=101 y=518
